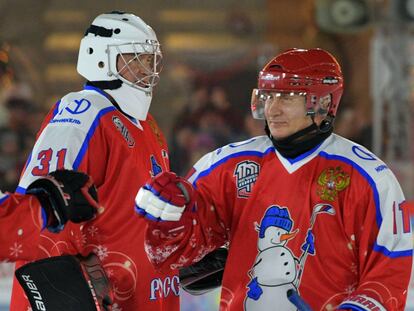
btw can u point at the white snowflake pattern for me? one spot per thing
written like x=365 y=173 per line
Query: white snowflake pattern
x=202 y=252
x=16 y=250
x=92 y=231
x=181 y=262
x=350 y=288
x=101 y=251
x=159 y=254
x=116 y=307
x=193 y=241
x=209 y=232
x=354 y=268
x=109 y=272
x=81 y=239
x=165 y=252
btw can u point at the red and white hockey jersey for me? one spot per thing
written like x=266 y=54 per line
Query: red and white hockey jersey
x=20 y=224
x=332 y=224
x=85 y=132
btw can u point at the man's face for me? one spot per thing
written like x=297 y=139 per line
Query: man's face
x=136 y=68
x=285 y=114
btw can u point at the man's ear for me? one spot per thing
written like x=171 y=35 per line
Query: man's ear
x=324 y=104
x=322 y=108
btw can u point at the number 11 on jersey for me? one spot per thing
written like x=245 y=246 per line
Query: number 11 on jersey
x=402 y=221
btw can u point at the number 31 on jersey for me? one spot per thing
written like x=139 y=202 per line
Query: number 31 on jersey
x=47 y=159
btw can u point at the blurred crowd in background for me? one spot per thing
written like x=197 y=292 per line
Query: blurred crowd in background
x=20 y=121
x=207 y=121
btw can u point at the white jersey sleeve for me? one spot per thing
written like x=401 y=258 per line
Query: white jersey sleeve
x=64 y=140
x=392 y=213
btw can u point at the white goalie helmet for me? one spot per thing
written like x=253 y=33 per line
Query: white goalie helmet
x=102 y=60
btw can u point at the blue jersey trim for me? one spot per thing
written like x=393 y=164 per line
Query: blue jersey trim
x=92 y=88
x=365 y=175
x=231 y=156
x=56 y=110
x=29 y=158
x=394 y=254
x=89 y=135
x=4 y=198
x=44 y=218
x=20 y=190
x=304 y=155
x=350 y=306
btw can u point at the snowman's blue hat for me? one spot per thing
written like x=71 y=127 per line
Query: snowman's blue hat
x=275 y=217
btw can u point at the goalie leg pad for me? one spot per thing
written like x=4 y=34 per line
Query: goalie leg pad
x=65 y=283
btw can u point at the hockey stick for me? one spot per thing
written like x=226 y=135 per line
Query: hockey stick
x=317 y=209
x=295 y=299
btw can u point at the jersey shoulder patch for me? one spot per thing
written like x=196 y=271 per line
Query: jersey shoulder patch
x=257 y=146
x=357 y=156
x=80 y=109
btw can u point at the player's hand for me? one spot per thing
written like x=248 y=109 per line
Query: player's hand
x=164 y=197
x=66 y=196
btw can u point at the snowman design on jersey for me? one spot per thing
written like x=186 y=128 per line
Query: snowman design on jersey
x=276 y=269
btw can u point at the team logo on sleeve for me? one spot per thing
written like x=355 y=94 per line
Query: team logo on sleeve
x=330 y=182
x=124 y=131
x=155 y=167
x=246 y=173
x=78 y=106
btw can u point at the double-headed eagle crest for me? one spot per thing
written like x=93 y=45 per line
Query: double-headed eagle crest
x=330 y=182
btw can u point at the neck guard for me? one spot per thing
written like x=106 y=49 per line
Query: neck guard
x=300 y=142
x=131 y=101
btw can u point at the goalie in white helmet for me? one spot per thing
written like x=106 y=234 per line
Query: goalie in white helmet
x=107 y=132
x=120 y=54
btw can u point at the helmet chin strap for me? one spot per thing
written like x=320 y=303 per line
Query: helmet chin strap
x=302 y=141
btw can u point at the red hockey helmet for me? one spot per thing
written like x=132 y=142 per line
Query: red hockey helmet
x=314 y=73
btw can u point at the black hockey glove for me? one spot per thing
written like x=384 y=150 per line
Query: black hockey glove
x=205 y=275
x=66 y=283
x=66 y=196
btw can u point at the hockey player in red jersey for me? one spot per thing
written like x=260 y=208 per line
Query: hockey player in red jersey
x=300 y=208
x=51 y=201
x=106 y=131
